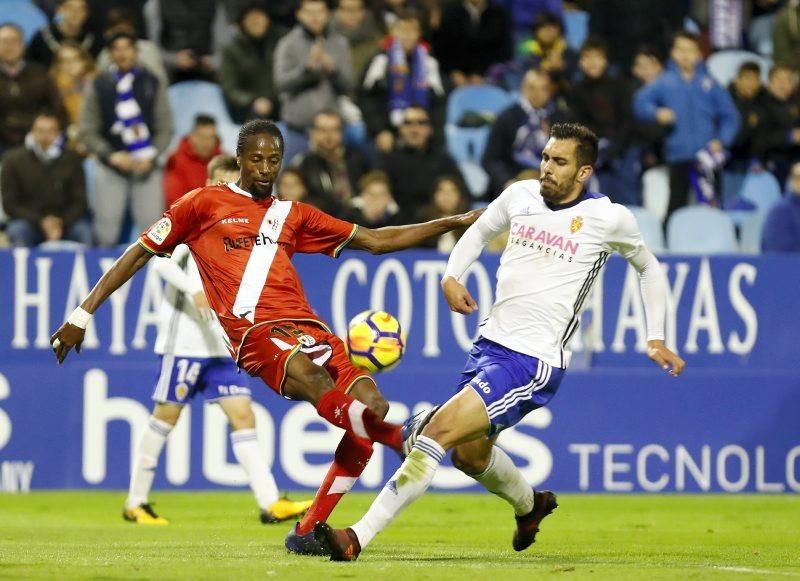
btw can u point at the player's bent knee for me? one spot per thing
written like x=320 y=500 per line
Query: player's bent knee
x=168 y=413
x=376 y=403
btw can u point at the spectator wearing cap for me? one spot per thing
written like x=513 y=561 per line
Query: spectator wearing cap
x=25 y=89
x=313 y=67
x=246 y=73
x=186 y=168
x=44 y=188
x=69 y=24
x=403 y=74
x=126 y=122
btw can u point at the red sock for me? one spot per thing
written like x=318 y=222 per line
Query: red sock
x=347 y=413
x=349 y=461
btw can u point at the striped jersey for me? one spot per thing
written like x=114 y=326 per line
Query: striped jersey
x=182 y=331
x=552 y=258
x=243 y=248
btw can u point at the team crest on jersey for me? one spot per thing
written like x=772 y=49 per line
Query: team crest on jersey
x=160 y=230
x=181 y=391
x=576 y=224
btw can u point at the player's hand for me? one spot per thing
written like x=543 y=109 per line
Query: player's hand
x=458 y=297
x=664 y=358
x=67 y=337
x=202 y=306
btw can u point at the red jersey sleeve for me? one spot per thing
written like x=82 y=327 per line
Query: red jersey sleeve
x=322 y=233
x=172 y=229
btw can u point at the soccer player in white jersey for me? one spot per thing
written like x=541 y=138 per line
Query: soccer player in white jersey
x=195 y=361
x=560 y=236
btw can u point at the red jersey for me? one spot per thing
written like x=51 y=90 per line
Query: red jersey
x=243 y=248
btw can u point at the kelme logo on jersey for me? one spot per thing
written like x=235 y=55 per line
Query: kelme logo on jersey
x=160 y=230
x=576 y=224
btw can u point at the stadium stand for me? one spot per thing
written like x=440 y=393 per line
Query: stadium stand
x=25 y=14
x=724 y=65
x=188 y=98
x=655 y=191
x=701 y=230
x=651 y=227
x=750 y=233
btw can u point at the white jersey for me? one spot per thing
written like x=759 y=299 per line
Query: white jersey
x=182 y=330
x=551 y=260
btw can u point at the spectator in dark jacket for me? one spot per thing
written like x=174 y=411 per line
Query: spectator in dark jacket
x=44 y=189
x=186 y=38
x=404 y=73
x=361 y=29
x=69 y=24
x=519 y=133
x=702 y=117
x=782 y=226
x=603 y=103
x=246 y=72
x=748 y=95
x=648 y=136
x=329 y=169
x=448 y=199
x=187 y=166
x=472 y=36
x=786 y=35
x=777 y=137
x=126 y=122
x=25 y=90
x=415 y=162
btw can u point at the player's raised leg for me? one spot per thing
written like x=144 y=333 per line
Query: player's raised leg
x=462 y=419
x=310 y=382
x=349 y=461
x=137 y=508
x=492 y=468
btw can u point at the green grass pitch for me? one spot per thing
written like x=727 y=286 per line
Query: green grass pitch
x=443 y=536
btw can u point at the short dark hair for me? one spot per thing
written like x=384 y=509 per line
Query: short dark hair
x=595 y=44
x=586 y=151
x=375 y=176
x=650 y=51
x=407 y=14
x=257 y=127
x=685 y=34
x=221 y=162
x=204 y=119
x=328 y=112
x=749 y=67
x=547 y=18
x=121 y=31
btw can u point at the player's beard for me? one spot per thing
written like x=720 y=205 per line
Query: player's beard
x=554 y=193
x=260 y=192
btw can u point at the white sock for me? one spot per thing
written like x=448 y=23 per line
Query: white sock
x=144 y=469
x=250 y=457
x=505 y=480
x=406 y=485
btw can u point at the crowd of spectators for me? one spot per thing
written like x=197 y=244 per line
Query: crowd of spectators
x=366 y=83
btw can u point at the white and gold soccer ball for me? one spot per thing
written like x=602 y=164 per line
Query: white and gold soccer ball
x=375 y=342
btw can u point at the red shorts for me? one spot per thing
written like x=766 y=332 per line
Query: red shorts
x=269 y=347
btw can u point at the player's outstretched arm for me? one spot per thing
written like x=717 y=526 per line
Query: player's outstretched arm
x=71 y=333
x=392 y=238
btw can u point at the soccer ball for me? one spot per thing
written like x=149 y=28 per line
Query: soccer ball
x=375 y=341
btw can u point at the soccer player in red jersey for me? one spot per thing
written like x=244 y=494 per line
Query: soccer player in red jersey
x=243 y=239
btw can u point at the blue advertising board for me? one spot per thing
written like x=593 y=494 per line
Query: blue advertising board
x=618 y=423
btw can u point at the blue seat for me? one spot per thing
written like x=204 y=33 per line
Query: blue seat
x=650 y=227
x=483 y=99
x=724 y=65
x=701 y=230
x=189 y=98
x=294 y=142
x=476 y=178
x=25 y=14
x=750 y=233
x=466 y=144
x=576 y=27
x=761 y=189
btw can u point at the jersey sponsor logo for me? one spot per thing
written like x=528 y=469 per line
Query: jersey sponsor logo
x=235 y=220
x=160 y=230
x=576 y=224
x=259 y=239
x=555 y=245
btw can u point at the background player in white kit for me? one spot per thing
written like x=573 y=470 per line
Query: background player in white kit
x=560 y=236
x=195 y=360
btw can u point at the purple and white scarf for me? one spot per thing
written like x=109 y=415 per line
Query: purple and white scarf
x=533 y=135
x=725 y=23
x=130 y=125
x=407 y=85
